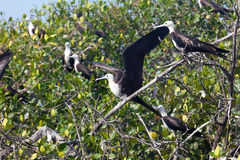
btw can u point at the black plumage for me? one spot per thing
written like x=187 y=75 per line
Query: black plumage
x=4 y=60
x=129 y=80
x=186 y=43
x=78 y=67
x=33 y=30
x=175 y=123
x=216 y=7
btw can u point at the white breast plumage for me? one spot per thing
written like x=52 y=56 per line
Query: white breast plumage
x=179 y=48
x=116 y=89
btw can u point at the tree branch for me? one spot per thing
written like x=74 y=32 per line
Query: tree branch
x=125 y=100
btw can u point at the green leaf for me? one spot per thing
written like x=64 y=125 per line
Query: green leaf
x=97 y=156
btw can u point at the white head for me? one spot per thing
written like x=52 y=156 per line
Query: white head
x=162 y=111
x=170 y=25
x=107 y=76
x=67 y=45
x=74 y=56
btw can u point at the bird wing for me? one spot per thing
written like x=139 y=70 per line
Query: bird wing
x=180 y=39
x=12 y=91
x=216 y=7
x=194 y=45
x=4 y=60
x=106 y=67
x=133 y=55
x=117 y=72
x=85 y=70
x=175 y=123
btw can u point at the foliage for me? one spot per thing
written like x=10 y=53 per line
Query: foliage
x=36 y=70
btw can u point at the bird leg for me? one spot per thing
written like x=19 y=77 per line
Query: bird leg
x=186 y=58
x=184 y=55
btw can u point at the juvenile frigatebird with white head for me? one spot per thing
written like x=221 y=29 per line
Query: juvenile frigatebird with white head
x=216 y=7
x=4 y=61
x=127 y=81
x=78 y=67
x=67 y=59
x=32 y=29
x=173 y=123
x=186 y=44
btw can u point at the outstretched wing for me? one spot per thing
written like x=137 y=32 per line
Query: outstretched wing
x=106 y=67
x=4 y=60
x=133 y=55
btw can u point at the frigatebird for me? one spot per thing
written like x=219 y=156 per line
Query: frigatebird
x=4 y=60
x=216 y=7
x=32 y=29
x=175 y=124
x=186 y=44
x=67 y=60
x=78 y=67
x=81 y=28
x=127 y=81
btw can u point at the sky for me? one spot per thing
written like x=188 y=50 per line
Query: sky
x=16 y=8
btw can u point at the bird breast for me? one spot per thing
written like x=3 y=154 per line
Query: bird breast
x=116 y=89
x=177 y=46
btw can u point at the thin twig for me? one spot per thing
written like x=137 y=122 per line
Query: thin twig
x=152 y=140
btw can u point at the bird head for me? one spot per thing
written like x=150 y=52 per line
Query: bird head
x=67 y=45
x=74 y=56
x=107 y=76
x=161 y=110
x=168 y=24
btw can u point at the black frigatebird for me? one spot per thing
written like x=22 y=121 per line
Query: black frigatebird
x=127 y=81
x=67 y=60
x=32 y=29
x=216 y=7
x=186 y=44
x=175 y=124
x=78 y=67
x=4 y=60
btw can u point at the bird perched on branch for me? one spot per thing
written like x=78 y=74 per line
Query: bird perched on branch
x=67 y=60
x=125 y=82
x=4 y=60
x=185 y=43
x=71 y=61
x=33 y=31
x=78 y=67
x=175 y=124
x=216 y=7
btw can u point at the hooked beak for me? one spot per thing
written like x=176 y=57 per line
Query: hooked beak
x=162 y=25
x=154 y=107
x=101 y=78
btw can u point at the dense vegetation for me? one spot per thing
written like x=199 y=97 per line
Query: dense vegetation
x=197 y=93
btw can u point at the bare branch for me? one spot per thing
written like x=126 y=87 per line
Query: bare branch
x=152 y=140
x=125 y=100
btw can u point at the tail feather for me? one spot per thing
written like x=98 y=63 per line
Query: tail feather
x=140 y=101
x=214 y=50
